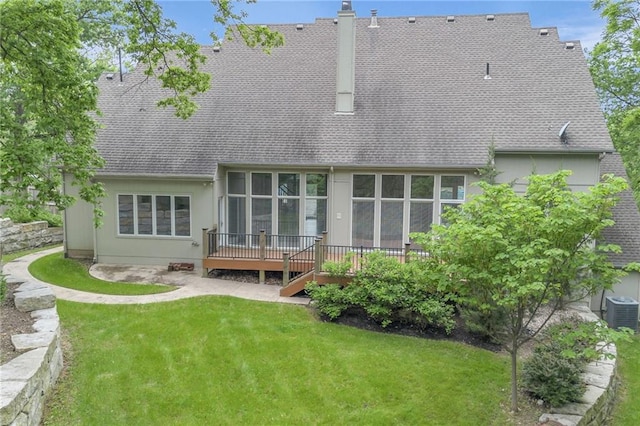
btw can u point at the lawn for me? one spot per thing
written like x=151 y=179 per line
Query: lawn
x=221 y=360
x=69 y=273
x=627 y=411
x=8 y=257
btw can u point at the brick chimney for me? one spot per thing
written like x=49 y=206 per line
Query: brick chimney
x=345 y=81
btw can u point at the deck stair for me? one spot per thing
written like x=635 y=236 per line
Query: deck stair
x=297 y=284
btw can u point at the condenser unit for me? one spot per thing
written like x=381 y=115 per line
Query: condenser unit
x=622 y=312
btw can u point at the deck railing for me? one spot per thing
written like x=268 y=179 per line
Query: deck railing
x=338 y=253
x=304 y=258
x=255 y=246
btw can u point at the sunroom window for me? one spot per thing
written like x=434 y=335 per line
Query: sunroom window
x=387 y=207
x=285 y=203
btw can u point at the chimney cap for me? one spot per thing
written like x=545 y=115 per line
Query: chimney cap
x=346 y=4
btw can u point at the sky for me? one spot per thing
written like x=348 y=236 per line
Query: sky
x=575 y=19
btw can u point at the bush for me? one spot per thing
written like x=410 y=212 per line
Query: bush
x=549 y=376
x=24 y=214
x=3 y=288
x=388 y=291
x=328 y=299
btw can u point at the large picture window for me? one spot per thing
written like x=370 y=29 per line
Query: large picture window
x=154 y=215
x=285 y=203
x=387 y=207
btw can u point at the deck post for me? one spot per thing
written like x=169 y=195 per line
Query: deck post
x=285 y=269
x=407 y=250
x=325 y=241
x=263 y=253
x=317 y=266
x=205 y=250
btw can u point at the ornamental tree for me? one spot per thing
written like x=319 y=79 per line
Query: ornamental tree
x=505 y=255
x=51 y=53
x=615 y=68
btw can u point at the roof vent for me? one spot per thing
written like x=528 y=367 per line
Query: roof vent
x=451 y=18
x=562 y=134
x=491 y=17
x=335 y=20
x=569 y=46
x=109 y=76
x=487 y=76
x=412 y=19
x=216 y=47
x=544 y=31
x=374 y=19
x=299 y=27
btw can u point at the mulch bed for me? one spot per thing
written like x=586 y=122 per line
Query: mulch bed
x=13 y=322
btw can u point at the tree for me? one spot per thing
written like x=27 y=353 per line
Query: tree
x=51 y=53
x=507 y=256
x=615 y=68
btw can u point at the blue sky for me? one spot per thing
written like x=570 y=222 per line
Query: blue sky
x=575 y=19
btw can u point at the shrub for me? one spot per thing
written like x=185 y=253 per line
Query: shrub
x=487 y=323
x=549 y=376
x=24 y=214
x=339 y=268
x=3 y=288
x=387 y=291
x=328 y=299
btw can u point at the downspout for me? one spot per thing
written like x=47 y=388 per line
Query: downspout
x=64 y=221
x=95 y=244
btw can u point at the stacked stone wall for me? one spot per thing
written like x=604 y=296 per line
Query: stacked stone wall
x=25 y=236
x=596 y=405
x=28 y=378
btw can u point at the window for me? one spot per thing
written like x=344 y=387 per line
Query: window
x=155 y=215
x=237 y=213
x=285 y=203
x=315 y=213
x=392 y=211
x=363 y=210
x=421 y=204
x=387 y=207
x=261 y=205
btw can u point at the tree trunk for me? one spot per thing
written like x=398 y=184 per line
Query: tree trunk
x=514 y=379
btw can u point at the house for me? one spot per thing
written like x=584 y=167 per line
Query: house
x=366 y=128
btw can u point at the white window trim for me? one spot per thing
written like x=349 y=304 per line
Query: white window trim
x=153 y=215
x=275 y=197
x=407 y=200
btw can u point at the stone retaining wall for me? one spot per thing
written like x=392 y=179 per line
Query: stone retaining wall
x=27 y=379
x=24 y=236
x=595 y=406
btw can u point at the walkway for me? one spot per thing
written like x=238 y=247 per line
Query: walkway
x=191 y=284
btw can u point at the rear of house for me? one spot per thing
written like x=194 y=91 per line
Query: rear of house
x=366 y=128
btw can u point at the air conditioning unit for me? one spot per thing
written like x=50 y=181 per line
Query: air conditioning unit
x=622 y=312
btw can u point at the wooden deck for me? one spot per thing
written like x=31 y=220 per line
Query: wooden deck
x=258 y=253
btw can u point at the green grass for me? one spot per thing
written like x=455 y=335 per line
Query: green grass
x=8 y=257
x=626 y=412
x=69 y=273
x=221 y=360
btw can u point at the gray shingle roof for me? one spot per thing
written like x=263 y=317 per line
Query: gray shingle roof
x=626 y=231
x=420 y=100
